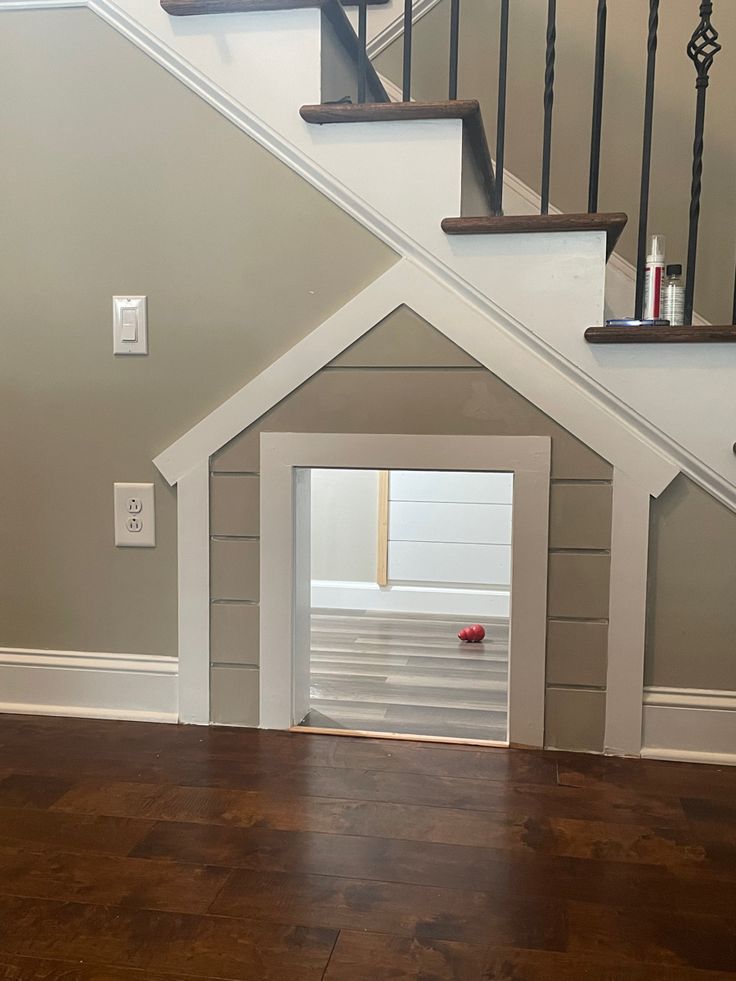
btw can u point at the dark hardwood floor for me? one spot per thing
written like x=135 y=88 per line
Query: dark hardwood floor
x=137 y=852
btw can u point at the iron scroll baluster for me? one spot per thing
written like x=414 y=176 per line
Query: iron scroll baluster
x=549 y=98
x=702 y=49
x=646 y=156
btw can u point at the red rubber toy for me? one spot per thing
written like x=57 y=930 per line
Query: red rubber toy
x=473 y=634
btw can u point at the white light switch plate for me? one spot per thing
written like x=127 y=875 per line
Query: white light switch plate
x=135 y=515
x=129 y=325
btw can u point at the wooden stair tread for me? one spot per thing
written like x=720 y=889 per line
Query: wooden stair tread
x=468 y=110
x=392 y=111
x=705 y=334
x=612 y=224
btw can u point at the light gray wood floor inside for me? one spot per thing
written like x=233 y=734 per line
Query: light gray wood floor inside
x=408 y=675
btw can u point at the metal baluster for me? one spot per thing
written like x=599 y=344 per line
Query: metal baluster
x=646 y=156
x=702 y=49
x=503 y=57
x=454 y=45
x=406 y=96
x=597 y=124
x=549 y=98
x=362 y=50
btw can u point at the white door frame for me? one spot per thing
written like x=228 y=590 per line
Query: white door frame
x=527 y=457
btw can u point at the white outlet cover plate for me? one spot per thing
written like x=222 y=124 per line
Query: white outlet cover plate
x=142 y=493
x=129 y=325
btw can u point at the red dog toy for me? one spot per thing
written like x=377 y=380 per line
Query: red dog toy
x=472 y=635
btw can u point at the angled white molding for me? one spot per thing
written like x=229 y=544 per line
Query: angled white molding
x=334 y=189
x=312 y=353
x=450 y=313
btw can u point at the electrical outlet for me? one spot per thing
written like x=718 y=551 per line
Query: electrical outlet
x=135 y=516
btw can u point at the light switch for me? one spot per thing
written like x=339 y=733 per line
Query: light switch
x=130 y=326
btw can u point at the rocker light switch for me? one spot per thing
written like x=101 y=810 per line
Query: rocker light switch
x=130 y=326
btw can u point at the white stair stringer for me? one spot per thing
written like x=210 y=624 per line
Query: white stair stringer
x=399 y=179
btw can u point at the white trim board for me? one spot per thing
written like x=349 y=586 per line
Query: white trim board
x=692 y=724
x=134 y=687
x=451 y=314
x=285 y=456
x=627 y=614
x=369 y=596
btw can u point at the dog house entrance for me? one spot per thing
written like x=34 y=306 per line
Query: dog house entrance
x=401 y=562
x=375 y=551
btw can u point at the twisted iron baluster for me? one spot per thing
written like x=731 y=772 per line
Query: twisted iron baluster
x=549 y=98
x=702 y=49
x=646 y=156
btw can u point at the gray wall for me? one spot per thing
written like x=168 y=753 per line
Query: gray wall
x=623 y=114
x=691 y=636
x=119 y=179
x=430 y=387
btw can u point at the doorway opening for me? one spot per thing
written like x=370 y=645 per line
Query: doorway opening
x=287 y=463
x=401 y=561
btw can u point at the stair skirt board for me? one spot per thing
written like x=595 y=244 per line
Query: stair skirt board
x=133 y=687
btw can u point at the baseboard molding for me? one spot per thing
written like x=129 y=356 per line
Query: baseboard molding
x=87 y=684
x=409 y=599
x=690 y=724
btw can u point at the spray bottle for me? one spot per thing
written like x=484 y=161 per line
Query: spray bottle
x=653 y=279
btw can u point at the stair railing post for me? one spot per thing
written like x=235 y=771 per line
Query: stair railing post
x=702 y=49
x=454 y=46
x=646 y=156
x=597 y=121
x=362 y=50
x=406 y=80
x=549 y=98
x=503 y=58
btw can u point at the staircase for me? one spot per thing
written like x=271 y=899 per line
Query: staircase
x=420 y=176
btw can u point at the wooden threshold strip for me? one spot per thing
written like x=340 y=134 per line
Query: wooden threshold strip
x=402 y=736
x=468 y=110
x=705 y=334
x=612 y=224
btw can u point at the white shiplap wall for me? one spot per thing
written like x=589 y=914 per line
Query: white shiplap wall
x=450 y=528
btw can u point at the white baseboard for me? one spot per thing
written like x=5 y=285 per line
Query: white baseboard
x=87 y=684
x=690 y=724
x=328 y=595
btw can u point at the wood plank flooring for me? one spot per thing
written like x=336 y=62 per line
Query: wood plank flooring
x=408 y=675
x=142 y=852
